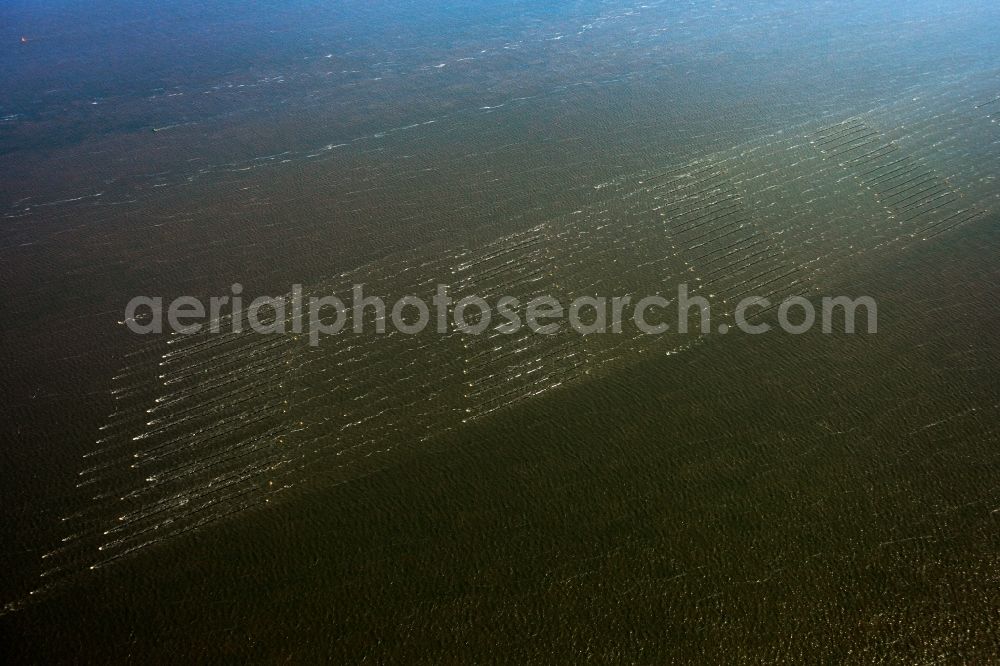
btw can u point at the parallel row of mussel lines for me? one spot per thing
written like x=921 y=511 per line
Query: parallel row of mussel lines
x=942 y=177
x=962 y=142
x=696 y=214
x=801 y=220
x=621 y=247
x=811 y=192
x=280 y=433
x=207 y=425
x=197 y=437
x=601 y=250
x=802 y=197
x=686 y=211
x=812 y=201
x=884 y=178
x=354 y=395
x=688 y=207
x=614 y=248
x=211 y=444
x=920 y=194
x=617 y=250
x=675 y=214
x=106 y=470
x=914 y=194
x=358 y=395
x=808 y=219
x=720 y=245
x=726 y=252
x=504 y=365
x=687 y=223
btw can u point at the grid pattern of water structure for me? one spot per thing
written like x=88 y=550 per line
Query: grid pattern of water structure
x=208 y=427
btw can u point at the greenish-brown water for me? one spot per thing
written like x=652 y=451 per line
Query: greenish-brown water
x=794 y=497
x=618 y=498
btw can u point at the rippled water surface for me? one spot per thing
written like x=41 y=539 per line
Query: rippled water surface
x=620 y=498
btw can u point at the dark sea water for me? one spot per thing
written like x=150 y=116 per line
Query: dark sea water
x=619 y=499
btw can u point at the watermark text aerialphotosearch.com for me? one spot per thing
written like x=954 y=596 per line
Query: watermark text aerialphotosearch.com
x=326 y=315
